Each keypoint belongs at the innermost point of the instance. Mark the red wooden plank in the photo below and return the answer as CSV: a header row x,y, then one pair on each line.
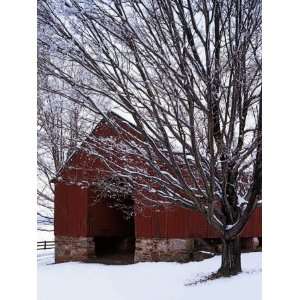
x,y
70,210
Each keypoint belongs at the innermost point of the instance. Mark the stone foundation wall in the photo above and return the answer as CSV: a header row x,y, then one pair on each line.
x,y
74,248
184,250
156,249
180,250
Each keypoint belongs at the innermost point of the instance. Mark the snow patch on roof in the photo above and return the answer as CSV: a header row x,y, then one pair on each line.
x,y
124,114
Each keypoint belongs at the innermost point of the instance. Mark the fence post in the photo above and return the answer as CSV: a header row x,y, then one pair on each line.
x,y
45,245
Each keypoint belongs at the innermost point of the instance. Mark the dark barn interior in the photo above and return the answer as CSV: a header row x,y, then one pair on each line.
x,y
112,228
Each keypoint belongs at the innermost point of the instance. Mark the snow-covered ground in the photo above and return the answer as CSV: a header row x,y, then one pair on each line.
x,y
45,236
145,281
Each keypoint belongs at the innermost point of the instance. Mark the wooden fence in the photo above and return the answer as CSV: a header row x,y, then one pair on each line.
x,y
44,245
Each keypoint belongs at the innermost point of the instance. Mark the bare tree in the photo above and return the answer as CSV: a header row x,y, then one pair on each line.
x,y
62,125
189,74
61,128
58,134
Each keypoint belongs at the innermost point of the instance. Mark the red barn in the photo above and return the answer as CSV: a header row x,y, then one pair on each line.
x,y
87,230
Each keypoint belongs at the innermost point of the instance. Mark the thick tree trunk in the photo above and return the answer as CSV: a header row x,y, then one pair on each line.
x,y
231,257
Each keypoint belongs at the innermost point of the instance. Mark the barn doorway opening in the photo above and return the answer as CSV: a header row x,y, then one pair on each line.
x,y
112,226
118,247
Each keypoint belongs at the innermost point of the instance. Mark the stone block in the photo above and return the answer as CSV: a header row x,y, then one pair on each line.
x,y
73,248
179,250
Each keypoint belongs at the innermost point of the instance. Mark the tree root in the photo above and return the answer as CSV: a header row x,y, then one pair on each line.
x,y
212,276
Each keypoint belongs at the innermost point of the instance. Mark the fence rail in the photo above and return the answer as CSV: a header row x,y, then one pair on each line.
x,y
44,245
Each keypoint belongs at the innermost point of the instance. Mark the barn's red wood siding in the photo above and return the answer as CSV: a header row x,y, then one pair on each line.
x,y
177,222
74,216
254,225
70,210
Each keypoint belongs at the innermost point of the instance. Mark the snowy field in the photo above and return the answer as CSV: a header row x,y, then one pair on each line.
x,y
145,281
45,236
